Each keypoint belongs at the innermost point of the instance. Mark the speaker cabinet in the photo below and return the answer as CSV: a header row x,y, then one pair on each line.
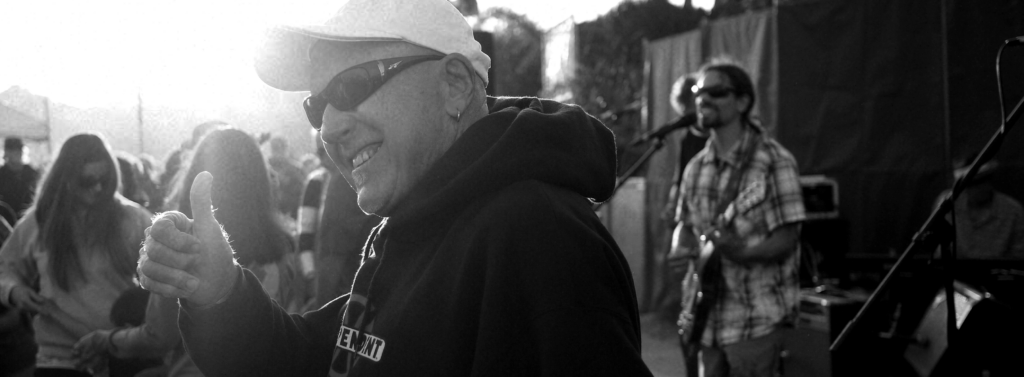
x,y
821,319
987,341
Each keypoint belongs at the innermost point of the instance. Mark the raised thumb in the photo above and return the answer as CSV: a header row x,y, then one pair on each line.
x,y
202,204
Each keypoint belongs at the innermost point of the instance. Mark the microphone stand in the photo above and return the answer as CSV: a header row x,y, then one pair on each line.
x,y
937,230
657,140
655,145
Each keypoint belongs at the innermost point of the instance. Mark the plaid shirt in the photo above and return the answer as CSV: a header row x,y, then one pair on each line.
x,y
759,298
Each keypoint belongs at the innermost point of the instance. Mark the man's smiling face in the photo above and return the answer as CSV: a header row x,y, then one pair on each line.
x,y
385,145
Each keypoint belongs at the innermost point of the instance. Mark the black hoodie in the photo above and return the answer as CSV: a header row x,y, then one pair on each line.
x,y
493,265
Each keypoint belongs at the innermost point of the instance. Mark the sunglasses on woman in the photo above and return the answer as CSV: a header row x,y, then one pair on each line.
x,y
86,182
354,85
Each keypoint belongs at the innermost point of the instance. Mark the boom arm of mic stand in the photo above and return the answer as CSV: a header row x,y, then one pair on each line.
x,y
656,144
937,215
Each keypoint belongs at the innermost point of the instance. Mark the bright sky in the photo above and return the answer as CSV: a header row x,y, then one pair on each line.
x,y
548,13
100,52
182,52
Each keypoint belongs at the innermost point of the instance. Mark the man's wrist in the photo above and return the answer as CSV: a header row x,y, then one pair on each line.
x,y
234,282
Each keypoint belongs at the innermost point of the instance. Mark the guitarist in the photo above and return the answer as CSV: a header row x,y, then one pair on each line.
x,y
742,194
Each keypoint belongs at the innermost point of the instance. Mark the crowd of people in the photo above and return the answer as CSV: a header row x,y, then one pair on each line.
x,y
70,303
482,255
438,231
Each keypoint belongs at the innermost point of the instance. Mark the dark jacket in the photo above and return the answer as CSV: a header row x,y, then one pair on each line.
x,y
17,190
494,265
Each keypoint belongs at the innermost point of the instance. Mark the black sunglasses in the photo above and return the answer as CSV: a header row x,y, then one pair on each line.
x,y
717,91
88,182
354,85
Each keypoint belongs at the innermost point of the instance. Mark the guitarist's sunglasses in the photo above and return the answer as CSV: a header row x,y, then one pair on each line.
x,y
354,85
717,91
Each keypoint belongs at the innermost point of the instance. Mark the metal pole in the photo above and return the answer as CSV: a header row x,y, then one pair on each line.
x,y
49,127
949,245
138,114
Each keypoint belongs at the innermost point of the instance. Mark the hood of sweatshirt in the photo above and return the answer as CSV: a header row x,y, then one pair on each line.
x,y
520,139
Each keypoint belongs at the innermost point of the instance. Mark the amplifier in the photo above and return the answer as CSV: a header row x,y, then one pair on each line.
x,y
821,196
821,318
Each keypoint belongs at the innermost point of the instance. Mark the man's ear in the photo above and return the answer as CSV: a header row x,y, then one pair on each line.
x,y
456,84
744,103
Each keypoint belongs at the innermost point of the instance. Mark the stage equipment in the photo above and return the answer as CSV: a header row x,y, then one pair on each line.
x,y
657,139
937,231
821,317
930,337
684,121
987,337
823,235
821,197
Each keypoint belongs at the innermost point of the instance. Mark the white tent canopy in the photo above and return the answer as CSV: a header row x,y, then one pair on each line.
x,y
14,123
21,115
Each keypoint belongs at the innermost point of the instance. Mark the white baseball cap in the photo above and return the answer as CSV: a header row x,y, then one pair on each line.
x,y
282,60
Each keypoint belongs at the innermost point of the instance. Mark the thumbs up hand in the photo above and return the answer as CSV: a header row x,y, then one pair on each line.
x,y
189,259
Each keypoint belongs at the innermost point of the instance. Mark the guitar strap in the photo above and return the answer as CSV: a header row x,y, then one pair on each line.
x,y
732,188
713,266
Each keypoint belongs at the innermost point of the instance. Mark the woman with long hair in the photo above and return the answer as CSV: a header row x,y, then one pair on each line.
x,y
241,194
74,252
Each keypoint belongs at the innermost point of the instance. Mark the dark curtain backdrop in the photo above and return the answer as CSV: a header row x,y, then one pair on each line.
x,y
863,98
976,30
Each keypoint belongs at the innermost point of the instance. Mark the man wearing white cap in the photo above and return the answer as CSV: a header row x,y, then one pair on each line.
x,y
489,260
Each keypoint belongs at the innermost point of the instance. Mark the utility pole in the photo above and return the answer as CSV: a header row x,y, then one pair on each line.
x,y
138,114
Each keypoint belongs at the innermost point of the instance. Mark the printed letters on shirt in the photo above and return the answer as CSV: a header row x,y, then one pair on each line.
x,y
365,345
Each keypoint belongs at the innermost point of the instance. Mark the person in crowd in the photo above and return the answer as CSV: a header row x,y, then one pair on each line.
x,y
244,205
17,344
17,179
149,181
132,176
174,160
243,200
742,192
989,223
489,259
332,231
74,253
312,161
343,229
309,215
693,141
288,176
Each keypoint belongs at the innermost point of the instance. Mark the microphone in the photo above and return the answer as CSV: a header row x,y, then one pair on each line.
x,y
684,121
